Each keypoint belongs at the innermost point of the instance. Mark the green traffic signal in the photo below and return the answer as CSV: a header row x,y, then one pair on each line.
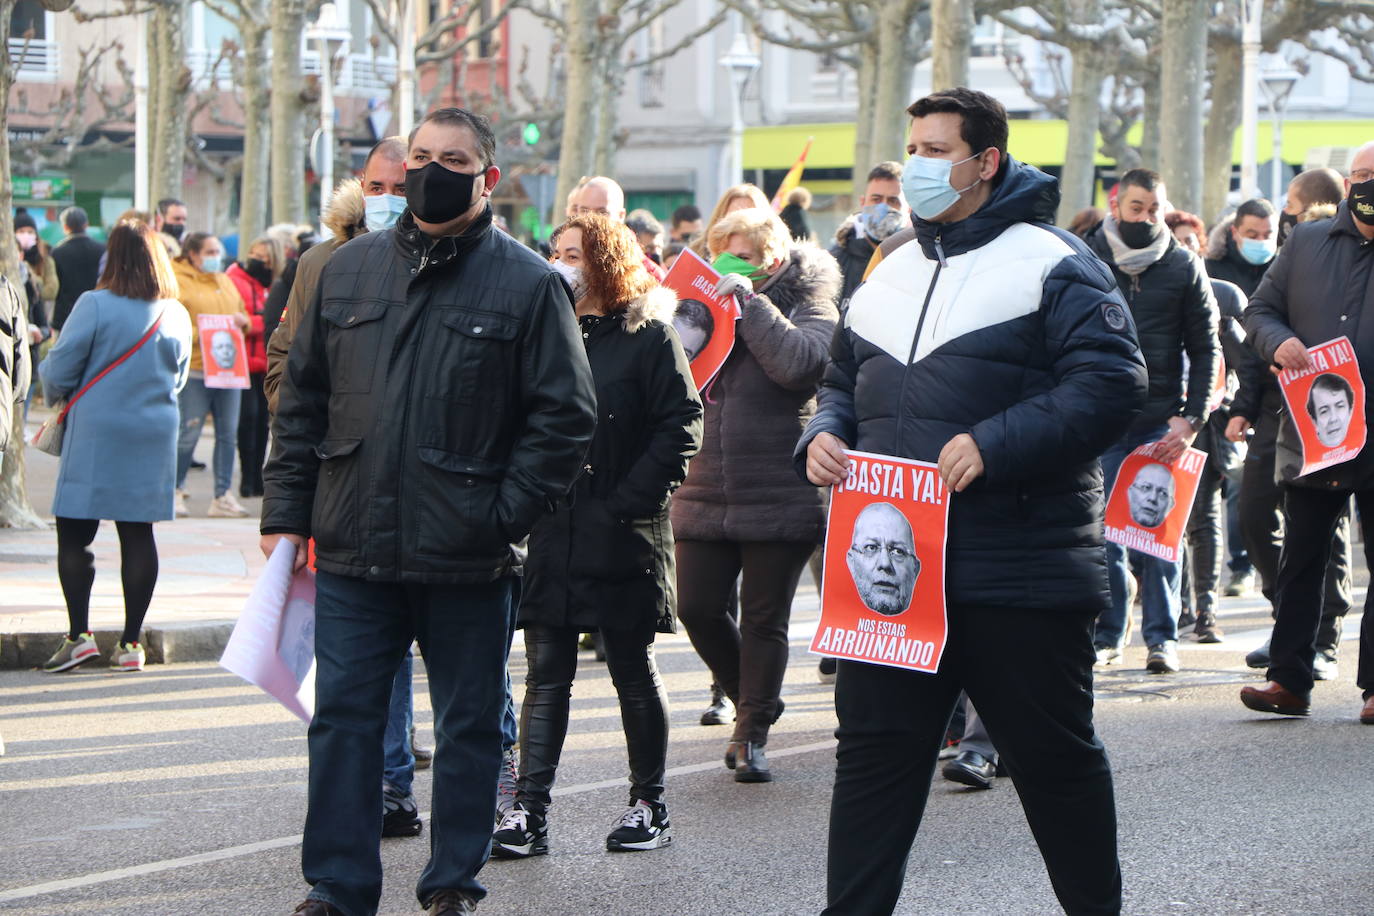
x,y
531,133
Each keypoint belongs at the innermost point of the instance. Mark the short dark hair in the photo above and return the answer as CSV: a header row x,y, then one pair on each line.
x,y
461,117
136,264
1257,206
886,171
1145,179
687,213
1317,186
75,219
642,222
695,313
984,124
1329,381
168,203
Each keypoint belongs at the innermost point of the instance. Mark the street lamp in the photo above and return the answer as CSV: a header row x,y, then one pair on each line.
x,y
741,61
1277,83
332,39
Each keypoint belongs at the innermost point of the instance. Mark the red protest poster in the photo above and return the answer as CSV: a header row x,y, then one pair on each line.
x,y
223,352
1150,502
883,586
704,321
1326,403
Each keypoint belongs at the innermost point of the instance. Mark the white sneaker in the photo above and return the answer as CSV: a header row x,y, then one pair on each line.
x,y
226,507
128,656
181,510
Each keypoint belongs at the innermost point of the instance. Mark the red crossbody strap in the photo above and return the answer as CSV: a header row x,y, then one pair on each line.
x,y
106,371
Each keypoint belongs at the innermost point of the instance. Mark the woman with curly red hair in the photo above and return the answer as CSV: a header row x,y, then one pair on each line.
x,y
603,561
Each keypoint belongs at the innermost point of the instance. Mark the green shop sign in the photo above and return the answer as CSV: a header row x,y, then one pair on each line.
x,y
42,189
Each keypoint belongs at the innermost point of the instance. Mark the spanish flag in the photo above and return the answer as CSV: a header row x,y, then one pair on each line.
x,y
792,178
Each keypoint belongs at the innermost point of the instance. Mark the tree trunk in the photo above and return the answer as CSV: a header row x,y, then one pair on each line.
x,y
1183,38
15,509
576,155
863,123
256,134
951,43
892,89
171,79
612,83
1219,138
1150,120
1076,181
288,123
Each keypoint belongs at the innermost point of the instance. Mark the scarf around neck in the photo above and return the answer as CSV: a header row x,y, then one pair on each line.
x,y
1133,261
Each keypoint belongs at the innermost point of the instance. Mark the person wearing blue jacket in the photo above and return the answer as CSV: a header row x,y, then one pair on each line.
x,y
1000,348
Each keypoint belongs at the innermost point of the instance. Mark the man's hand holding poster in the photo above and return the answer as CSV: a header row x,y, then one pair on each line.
x,y
704,321
1150,502
1326,402
223,352
883,589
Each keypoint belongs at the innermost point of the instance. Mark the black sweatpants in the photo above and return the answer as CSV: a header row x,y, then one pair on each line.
x,y
1038,712
1312,517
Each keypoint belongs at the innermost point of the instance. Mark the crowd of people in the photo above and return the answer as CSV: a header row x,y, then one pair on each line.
x,y
476,438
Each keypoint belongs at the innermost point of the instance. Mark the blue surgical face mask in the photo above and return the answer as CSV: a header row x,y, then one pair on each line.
x,y
1257,251
878,221
212,264
925,182
380,211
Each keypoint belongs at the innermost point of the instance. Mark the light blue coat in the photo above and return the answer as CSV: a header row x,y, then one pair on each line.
x,y
120,449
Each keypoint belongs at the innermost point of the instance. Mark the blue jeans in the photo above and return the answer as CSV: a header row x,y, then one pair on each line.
x,y
1159,579
195,401
362,632
398,762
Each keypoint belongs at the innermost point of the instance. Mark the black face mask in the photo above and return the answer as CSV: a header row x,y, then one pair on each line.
x,y
1286,223
259,270
174,229
1141,234
438,195
1362,201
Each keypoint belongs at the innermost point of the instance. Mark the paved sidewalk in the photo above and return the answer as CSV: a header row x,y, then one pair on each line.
x,y
207,568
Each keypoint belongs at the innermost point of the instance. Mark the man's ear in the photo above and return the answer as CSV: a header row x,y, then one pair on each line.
x,y
493,178
987,169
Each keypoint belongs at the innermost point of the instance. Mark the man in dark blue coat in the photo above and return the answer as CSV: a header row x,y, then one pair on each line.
x,y
998,347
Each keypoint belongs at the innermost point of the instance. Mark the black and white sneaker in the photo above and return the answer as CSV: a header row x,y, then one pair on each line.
x,y
522,833
644,825
400,816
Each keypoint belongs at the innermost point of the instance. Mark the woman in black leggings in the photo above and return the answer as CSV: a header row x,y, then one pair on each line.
x,y
604,560
119,449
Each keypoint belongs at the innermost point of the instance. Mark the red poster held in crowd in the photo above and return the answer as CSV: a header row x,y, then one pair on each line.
x,y
1326,403
883,587
223,352
1150,502
704,321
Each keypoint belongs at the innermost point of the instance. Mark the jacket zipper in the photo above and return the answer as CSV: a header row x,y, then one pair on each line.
x,y
915,341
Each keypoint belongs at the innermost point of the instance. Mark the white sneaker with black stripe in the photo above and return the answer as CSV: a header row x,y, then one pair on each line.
x,y
644,825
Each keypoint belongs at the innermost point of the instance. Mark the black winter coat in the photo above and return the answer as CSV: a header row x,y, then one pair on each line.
x,y
1320,287
436,403
1174,312
78,270
852,252
604,559
1008,329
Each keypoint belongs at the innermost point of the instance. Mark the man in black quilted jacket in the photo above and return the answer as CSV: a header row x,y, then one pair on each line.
x,y
998,347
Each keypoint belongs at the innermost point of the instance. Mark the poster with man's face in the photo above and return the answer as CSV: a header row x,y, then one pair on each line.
x,y
1326,403
705,322
883,588
1151,499
223,352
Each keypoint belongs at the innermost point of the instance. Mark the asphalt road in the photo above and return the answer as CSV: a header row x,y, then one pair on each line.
x,y
182,790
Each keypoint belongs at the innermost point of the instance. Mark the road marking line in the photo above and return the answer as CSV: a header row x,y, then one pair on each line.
x,y
248,849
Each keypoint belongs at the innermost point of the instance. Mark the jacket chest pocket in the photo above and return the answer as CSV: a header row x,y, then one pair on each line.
x,y
353,343
474,356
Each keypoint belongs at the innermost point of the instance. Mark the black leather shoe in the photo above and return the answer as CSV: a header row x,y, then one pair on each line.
x,y
970,768
748,761
448,903
313,907
717,713
1258,658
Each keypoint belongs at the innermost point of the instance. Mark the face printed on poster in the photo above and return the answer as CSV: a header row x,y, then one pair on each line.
x,y
883,588
223,352
1326,404
1151,500
704,321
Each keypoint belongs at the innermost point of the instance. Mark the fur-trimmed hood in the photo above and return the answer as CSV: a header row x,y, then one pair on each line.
x,y
658,304
344,215
809,273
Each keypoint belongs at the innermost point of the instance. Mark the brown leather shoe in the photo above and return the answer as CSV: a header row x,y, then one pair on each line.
x,y
1367,712
1274,697
451,903
314,907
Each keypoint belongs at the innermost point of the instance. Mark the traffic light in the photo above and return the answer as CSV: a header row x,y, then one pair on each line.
x,y
531,134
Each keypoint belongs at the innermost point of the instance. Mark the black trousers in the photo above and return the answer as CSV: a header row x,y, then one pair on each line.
x,y
1262,524
252,435
1041,717
551,653
1313,516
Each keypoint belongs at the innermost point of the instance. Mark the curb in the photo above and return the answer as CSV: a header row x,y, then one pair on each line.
x,y
203,641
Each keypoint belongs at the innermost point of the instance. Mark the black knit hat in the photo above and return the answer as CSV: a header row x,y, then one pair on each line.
x,y
22,220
